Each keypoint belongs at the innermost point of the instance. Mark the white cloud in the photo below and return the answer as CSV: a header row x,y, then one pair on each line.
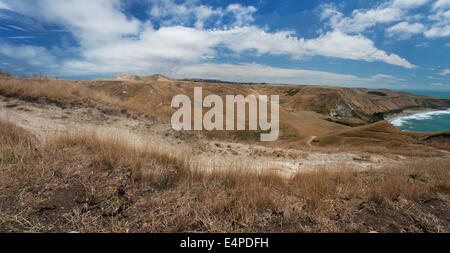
x,y
409,4
441,20
441,4
445,72
89,21
170,13
3,6
31,55
332,44
405,29
438,31
200,44
410,23
360,20
386,78
244,15
338,44
156,49
111,42
441,28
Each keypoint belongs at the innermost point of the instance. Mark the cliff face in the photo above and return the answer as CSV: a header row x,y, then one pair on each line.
x,y
360,103
372,101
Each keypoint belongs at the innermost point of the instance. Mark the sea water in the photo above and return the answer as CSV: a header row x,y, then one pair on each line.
x,y
433,121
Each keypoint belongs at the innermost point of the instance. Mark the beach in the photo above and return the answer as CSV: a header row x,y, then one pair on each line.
x,y
422,120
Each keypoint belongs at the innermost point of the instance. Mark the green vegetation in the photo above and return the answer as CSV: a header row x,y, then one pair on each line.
x,y
292,92
377,93
287,132
346,123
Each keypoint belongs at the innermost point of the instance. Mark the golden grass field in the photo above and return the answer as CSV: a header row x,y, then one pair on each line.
x,y
85,156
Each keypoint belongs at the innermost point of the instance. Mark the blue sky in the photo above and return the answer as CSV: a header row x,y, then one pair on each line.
x,y
395,44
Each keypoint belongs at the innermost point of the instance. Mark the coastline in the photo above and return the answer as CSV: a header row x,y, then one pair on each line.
x,y
409,112
421,120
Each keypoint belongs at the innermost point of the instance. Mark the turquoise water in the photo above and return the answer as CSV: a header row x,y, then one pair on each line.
x,y
434,121
438,94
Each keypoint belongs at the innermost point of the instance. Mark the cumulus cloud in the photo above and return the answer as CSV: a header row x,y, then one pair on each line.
x,y
438,31
441,4
338,44
398,14
409,4
405,29
170,13
163,44
441,19
189,34
361,20
383,14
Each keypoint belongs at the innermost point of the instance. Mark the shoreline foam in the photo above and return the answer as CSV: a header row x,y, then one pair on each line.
x,y
399,119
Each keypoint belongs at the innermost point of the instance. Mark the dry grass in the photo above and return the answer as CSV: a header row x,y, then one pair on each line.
x,y
61,92
84,182
65,93
400,149
383,148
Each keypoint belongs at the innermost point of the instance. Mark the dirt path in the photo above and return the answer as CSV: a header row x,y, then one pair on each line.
x,y
45,120
309,141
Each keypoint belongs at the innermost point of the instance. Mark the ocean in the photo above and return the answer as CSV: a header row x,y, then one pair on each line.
x,y
433,121
438,94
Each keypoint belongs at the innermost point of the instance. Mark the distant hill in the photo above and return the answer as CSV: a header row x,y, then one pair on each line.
x,y
198,80
152,78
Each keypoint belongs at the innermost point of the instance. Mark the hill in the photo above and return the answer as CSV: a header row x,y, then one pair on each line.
x,y
305,110
338,102
100,156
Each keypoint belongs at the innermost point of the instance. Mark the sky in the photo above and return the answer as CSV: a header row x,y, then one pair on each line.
x,y
393,44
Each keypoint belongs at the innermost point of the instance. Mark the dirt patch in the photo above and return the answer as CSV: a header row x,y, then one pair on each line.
x,y
63,201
